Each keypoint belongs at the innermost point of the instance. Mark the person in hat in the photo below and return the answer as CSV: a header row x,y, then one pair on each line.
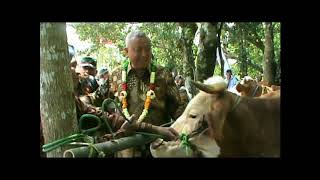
x,y
103,75
102,92
81,107
88,66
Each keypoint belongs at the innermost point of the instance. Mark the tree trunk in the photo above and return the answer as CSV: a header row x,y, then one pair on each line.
x,y
243,56
188,32
269,65
206,59
220,50
257,67
57,104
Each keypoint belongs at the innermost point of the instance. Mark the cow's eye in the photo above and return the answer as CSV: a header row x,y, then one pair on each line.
x,y
192,116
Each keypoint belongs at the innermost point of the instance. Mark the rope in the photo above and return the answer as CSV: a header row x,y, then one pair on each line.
x,y
166,124
90,143
100,153
150,134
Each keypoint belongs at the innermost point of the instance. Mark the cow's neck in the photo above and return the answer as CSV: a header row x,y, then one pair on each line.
x,y
246,130
256,91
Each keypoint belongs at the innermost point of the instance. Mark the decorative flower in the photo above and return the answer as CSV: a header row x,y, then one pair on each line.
x,y
150,93
124,103
124,86
124,76
152,77
152,87
123,93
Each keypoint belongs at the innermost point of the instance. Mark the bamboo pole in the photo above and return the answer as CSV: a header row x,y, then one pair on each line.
x,y
110,147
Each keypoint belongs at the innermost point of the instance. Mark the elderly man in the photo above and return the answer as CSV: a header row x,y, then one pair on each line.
x,y
145,90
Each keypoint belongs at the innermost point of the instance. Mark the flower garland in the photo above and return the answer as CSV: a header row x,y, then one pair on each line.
x,y
123,93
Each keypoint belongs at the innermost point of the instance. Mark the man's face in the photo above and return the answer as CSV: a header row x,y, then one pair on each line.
x,y
178,82
139,52
105,76
87,70
228,75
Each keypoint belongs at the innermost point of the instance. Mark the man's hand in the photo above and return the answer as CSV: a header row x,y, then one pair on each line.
x,y
116,120
169,133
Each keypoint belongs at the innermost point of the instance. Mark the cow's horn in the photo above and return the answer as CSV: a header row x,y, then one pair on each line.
x,y
206,88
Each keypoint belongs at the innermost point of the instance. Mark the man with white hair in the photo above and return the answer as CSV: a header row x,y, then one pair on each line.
x,y
145,90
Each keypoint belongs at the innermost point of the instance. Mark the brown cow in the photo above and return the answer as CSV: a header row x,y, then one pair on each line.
x,y
251,88
222,124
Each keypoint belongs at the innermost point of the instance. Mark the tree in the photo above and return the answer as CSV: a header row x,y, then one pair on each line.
x,y
172,45
57,104
269,66
164,38
188,31
243,55
220,50
206,58
243,41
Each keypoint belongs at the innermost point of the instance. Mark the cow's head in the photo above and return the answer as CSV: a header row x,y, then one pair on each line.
x,y
203,120
249,87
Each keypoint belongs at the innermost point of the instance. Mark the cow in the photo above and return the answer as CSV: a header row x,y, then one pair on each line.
x,y
251,88
218,123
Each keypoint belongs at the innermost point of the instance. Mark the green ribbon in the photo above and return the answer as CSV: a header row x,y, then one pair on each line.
x,y
75,137
67,140
125,64
185,142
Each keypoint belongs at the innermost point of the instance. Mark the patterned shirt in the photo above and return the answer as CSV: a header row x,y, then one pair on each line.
x,y
167,103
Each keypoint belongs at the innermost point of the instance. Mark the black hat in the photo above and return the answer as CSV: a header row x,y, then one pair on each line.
x,y
88,61
102,71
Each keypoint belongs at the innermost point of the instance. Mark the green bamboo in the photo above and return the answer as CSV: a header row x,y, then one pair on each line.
x,y
111,147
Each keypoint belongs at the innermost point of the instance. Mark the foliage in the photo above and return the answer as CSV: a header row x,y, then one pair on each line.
x,y
166,42
253,33
164,38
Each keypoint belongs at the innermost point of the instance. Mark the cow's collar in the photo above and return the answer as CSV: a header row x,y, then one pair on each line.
x,y
237,101
255,91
